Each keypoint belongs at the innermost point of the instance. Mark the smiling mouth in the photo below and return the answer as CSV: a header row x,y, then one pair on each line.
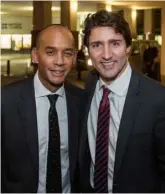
x,y
58,72
108,64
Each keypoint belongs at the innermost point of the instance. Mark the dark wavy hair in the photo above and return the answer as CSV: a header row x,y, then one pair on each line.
x,y
105,18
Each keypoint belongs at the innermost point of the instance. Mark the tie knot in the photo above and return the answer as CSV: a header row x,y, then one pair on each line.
x,y
106,92
52,99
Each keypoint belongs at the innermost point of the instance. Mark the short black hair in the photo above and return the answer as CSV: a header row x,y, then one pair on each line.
x,y
105,18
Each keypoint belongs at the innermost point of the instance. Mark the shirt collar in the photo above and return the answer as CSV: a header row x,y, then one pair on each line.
x,y
41,90
120,85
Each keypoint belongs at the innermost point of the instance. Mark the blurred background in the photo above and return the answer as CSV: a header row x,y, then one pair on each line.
x,y
22,20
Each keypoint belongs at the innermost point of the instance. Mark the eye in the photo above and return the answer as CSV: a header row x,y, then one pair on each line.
x,y
96,45
68,53
49,52
116,43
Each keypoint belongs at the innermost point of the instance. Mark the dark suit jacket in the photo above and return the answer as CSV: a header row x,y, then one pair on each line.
x,y
140,150
20,160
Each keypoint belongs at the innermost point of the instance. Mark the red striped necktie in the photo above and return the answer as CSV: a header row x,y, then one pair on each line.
x,y
101,154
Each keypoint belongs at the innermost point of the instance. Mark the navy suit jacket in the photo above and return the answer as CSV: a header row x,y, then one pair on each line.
x,y
20,158
140,150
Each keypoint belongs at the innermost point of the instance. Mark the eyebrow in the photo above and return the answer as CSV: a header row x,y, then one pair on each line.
x,y
115,40
110,41
96,42
55,48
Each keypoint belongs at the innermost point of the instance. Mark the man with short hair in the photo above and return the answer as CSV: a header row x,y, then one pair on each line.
x,y
122,145
40,121
147,59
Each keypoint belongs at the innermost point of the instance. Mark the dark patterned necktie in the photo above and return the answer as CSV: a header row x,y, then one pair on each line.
x,y
102,142
53,179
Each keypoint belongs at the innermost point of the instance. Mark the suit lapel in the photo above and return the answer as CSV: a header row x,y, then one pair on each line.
x,y
72,111
27,112
128,119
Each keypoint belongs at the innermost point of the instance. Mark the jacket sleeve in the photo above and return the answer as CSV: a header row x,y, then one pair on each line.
x,y
3,158
160,142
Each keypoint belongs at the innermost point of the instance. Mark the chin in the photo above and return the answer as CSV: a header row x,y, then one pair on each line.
x,y
57,82
110,74
111,77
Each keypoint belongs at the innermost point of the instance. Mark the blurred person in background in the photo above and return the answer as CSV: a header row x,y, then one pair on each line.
x,y
81,63
155,66
147,59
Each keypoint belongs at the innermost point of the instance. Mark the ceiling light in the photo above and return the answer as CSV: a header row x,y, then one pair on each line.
x,y
30,8
55,8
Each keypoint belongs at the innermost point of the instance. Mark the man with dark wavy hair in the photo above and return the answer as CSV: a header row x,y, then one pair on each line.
x,y
122,145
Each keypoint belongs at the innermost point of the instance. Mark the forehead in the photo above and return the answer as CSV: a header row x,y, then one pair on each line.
x,y
104,34
56,37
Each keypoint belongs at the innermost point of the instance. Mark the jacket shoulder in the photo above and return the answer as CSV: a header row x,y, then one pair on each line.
x,y
73,89
13,89
151,84
150,88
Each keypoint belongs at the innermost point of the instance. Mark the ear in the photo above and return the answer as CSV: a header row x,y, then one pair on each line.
x,y
128,50
34,55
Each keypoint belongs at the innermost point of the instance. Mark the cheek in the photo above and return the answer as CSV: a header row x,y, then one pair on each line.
x,y
45,61
69,64
120,54
44,65
95,57
124,57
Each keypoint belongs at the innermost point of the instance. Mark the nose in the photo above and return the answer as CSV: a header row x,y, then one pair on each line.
x,y
59,59
107,52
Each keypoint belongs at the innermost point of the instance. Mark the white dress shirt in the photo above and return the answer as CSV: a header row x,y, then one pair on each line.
x,y
42,107
117,97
